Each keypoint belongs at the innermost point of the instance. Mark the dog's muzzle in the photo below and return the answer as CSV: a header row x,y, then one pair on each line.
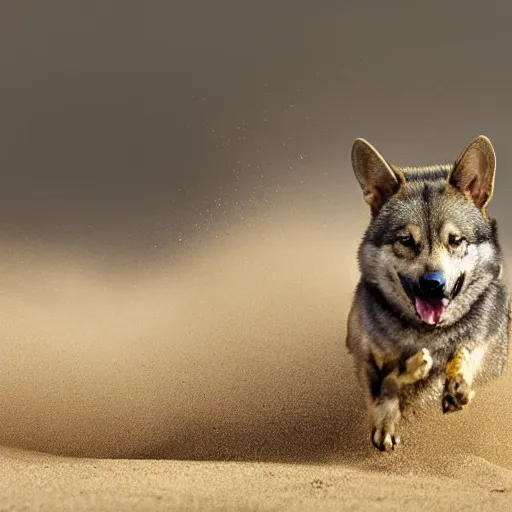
x,y
429,295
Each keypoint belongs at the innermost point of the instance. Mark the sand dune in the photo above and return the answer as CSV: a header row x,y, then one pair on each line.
x,y
229,364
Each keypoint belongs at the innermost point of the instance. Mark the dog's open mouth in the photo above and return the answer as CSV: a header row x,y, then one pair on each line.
x,y
429,309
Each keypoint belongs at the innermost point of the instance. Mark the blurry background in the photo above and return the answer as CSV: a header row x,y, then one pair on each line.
x,y
179,218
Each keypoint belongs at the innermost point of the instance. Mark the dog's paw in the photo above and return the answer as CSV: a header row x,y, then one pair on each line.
x,y
383,440
385,419
457,394
419,365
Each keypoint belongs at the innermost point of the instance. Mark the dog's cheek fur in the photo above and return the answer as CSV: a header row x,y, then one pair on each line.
x,y
379,266
481,265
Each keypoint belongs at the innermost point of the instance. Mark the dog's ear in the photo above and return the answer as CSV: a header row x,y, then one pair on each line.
x,y
377,179
473,172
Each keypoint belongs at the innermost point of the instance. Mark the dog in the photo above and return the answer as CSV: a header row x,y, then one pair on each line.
x,y
430,317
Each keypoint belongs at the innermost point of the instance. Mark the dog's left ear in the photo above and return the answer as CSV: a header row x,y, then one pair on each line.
x,y
473,172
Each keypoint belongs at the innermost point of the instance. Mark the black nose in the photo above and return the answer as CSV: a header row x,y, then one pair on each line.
x,y
432,284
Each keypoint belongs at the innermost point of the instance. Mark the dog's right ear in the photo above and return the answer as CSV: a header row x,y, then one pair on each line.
x,y
376,178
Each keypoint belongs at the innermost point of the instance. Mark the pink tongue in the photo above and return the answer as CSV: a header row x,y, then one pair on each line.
x,y
430,312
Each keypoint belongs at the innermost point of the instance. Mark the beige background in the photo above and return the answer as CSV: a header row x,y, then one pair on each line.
x,y
179,221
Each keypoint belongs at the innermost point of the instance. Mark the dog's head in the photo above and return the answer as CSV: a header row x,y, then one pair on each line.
x,y
430,249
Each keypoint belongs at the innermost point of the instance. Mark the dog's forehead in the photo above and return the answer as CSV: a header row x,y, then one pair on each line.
x,y
431,205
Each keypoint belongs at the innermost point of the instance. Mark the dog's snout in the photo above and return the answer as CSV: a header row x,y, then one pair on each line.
x,y
432,284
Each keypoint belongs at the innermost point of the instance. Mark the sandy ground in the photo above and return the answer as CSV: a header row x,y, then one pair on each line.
x,y
39,482
217,382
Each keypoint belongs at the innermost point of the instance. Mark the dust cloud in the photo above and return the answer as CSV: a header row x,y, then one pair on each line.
x,y
235,352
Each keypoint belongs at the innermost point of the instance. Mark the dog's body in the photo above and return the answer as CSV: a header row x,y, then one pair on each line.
x,y
430,316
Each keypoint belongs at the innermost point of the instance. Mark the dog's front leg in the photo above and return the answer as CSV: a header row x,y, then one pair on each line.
x,y
460,373
385,406
385,414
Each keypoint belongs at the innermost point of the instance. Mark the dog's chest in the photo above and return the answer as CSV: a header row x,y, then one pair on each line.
x,y
441,344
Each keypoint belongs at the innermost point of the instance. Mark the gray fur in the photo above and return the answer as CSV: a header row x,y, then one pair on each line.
x,y
438,204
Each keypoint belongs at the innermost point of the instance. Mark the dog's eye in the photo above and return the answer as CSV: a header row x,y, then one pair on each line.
x,y
455,240
406,240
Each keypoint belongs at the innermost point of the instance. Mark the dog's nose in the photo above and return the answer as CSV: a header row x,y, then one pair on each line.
x,y
432,284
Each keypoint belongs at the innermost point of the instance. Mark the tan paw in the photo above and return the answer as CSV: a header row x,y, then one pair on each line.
x,y
418,366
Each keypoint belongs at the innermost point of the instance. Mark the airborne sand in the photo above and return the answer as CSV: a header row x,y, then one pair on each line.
x,y
229,364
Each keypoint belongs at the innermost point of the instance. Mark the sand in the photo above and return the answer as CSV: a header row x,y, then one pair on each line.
x,y
32,481
217,381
